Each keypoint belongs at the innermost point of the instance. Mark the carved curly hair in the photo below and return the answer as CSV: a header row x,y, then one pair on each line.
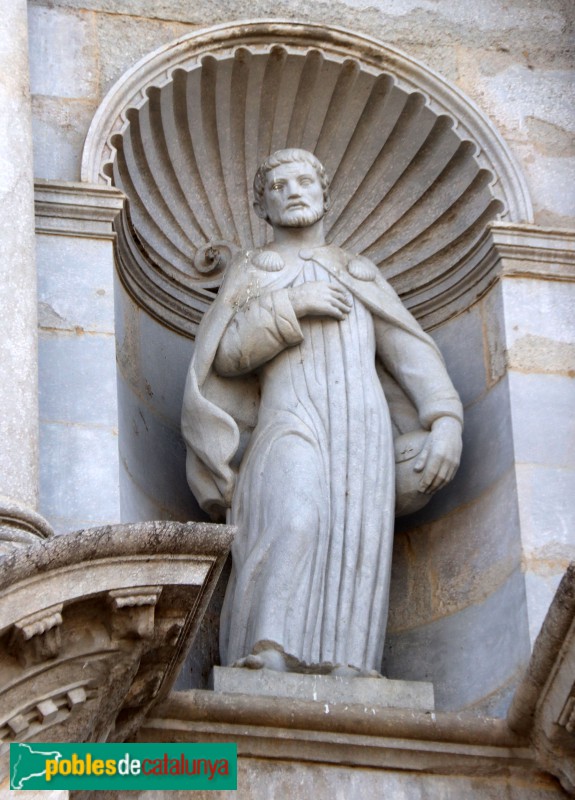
x,y
288,156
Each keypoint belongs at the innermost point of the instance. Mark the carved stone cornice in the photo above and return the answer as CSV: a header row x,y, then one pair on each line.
x,y
36,638
95,625
504,249
531,251
133,612
418,170
359,735
76,209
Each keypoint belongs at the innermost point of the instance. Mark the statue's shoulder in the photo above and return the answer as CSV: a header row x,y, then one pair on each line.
x,y
358,266
238,270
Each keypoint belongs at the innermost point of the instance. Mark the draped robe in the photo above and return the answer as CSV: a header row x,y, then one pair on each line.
x,y
313,497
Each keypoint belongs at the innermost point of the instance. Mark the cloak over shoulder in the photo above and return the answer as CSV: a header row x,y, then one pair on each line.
x,y
219,413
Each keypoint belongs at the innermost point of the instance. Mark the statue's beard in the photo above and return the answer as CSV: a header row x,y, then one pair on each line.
x,y
302,218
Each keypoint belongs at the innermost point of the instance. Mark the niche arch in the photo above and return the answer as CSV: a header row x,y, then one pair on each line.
x,y
418,175
418,171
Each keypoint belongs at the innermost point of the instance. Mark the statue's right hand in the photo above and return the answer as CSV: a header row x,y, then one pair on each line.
x,y
320,299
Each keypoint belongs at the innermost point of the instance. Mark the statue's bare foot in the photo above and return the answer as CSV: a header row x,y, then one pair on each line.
x,y
345,671
370,673
265,659
249,662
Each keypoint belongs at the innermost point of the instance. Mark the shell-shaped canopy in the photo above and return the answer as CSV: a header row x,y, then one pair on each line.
x,y
410,189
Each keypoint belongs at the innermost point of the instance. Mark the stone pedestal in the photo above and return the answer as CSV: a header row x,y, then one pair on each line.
x,y
325,688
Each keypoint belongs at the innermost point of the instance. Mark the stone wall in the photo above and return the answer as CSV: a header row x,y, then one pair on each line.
x,y
475,573
152,367
515,61
494,546
514,518
77,374
260,780
457,578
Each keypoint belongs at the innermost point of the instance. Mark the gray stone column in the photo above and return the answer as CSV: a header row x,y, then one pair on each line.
x,y
19,522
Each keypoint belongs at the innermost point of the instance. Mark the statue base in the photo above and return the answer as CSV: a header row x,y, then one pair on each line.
x,y
382,692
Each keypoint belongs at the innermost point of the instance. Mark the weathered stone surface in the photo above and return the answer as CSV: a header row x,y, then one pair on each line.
x,y
18,282
435,753
530,330
542,579
324,688
125,43
466,365
547,524
76,209
487,455
544,705
60,126
547,514
262,779
543,421
75,288
492,311
77,376
478,643
152,363
63,59
106,617
440,568
137,506
78,475
164,360
527,45
515,94
538,316
153,453
78,398
18,319
409,19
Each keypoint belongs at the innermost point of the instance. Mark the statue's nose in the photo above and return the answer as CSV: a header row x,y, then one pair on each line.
x,y
293,189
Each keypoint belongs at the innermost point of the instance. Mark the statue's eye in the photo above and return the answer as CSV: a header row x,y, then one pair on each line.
x,y
275,187
305,181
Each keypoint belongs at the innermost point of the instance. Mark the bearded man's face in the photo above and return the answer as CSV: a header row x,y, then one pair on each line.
x,y
293,196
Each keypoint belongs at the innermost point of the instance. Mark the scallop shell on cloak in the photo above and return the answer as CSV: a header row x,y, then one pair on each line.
x,y
269,260
362,269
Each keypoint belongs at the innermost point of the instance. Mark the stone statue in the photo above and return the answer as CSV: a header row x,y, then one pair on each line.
x,y
288,429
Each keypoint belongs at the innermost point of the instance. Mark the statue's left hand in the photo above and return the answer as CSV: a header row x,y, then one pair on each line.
x,y
439,459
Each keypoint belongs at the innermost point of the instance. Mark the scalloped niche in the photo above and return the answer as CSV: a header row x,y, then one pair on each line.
x,y
417,171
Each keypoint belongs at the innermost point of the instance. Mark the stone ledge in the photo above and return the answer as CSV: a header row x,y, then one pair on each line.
x,y
76,209
205,706
380,692
340,733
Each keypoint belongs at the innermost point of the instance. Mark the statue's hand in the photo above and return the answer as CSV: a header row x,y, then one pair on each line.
x,y
320,299
439,459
